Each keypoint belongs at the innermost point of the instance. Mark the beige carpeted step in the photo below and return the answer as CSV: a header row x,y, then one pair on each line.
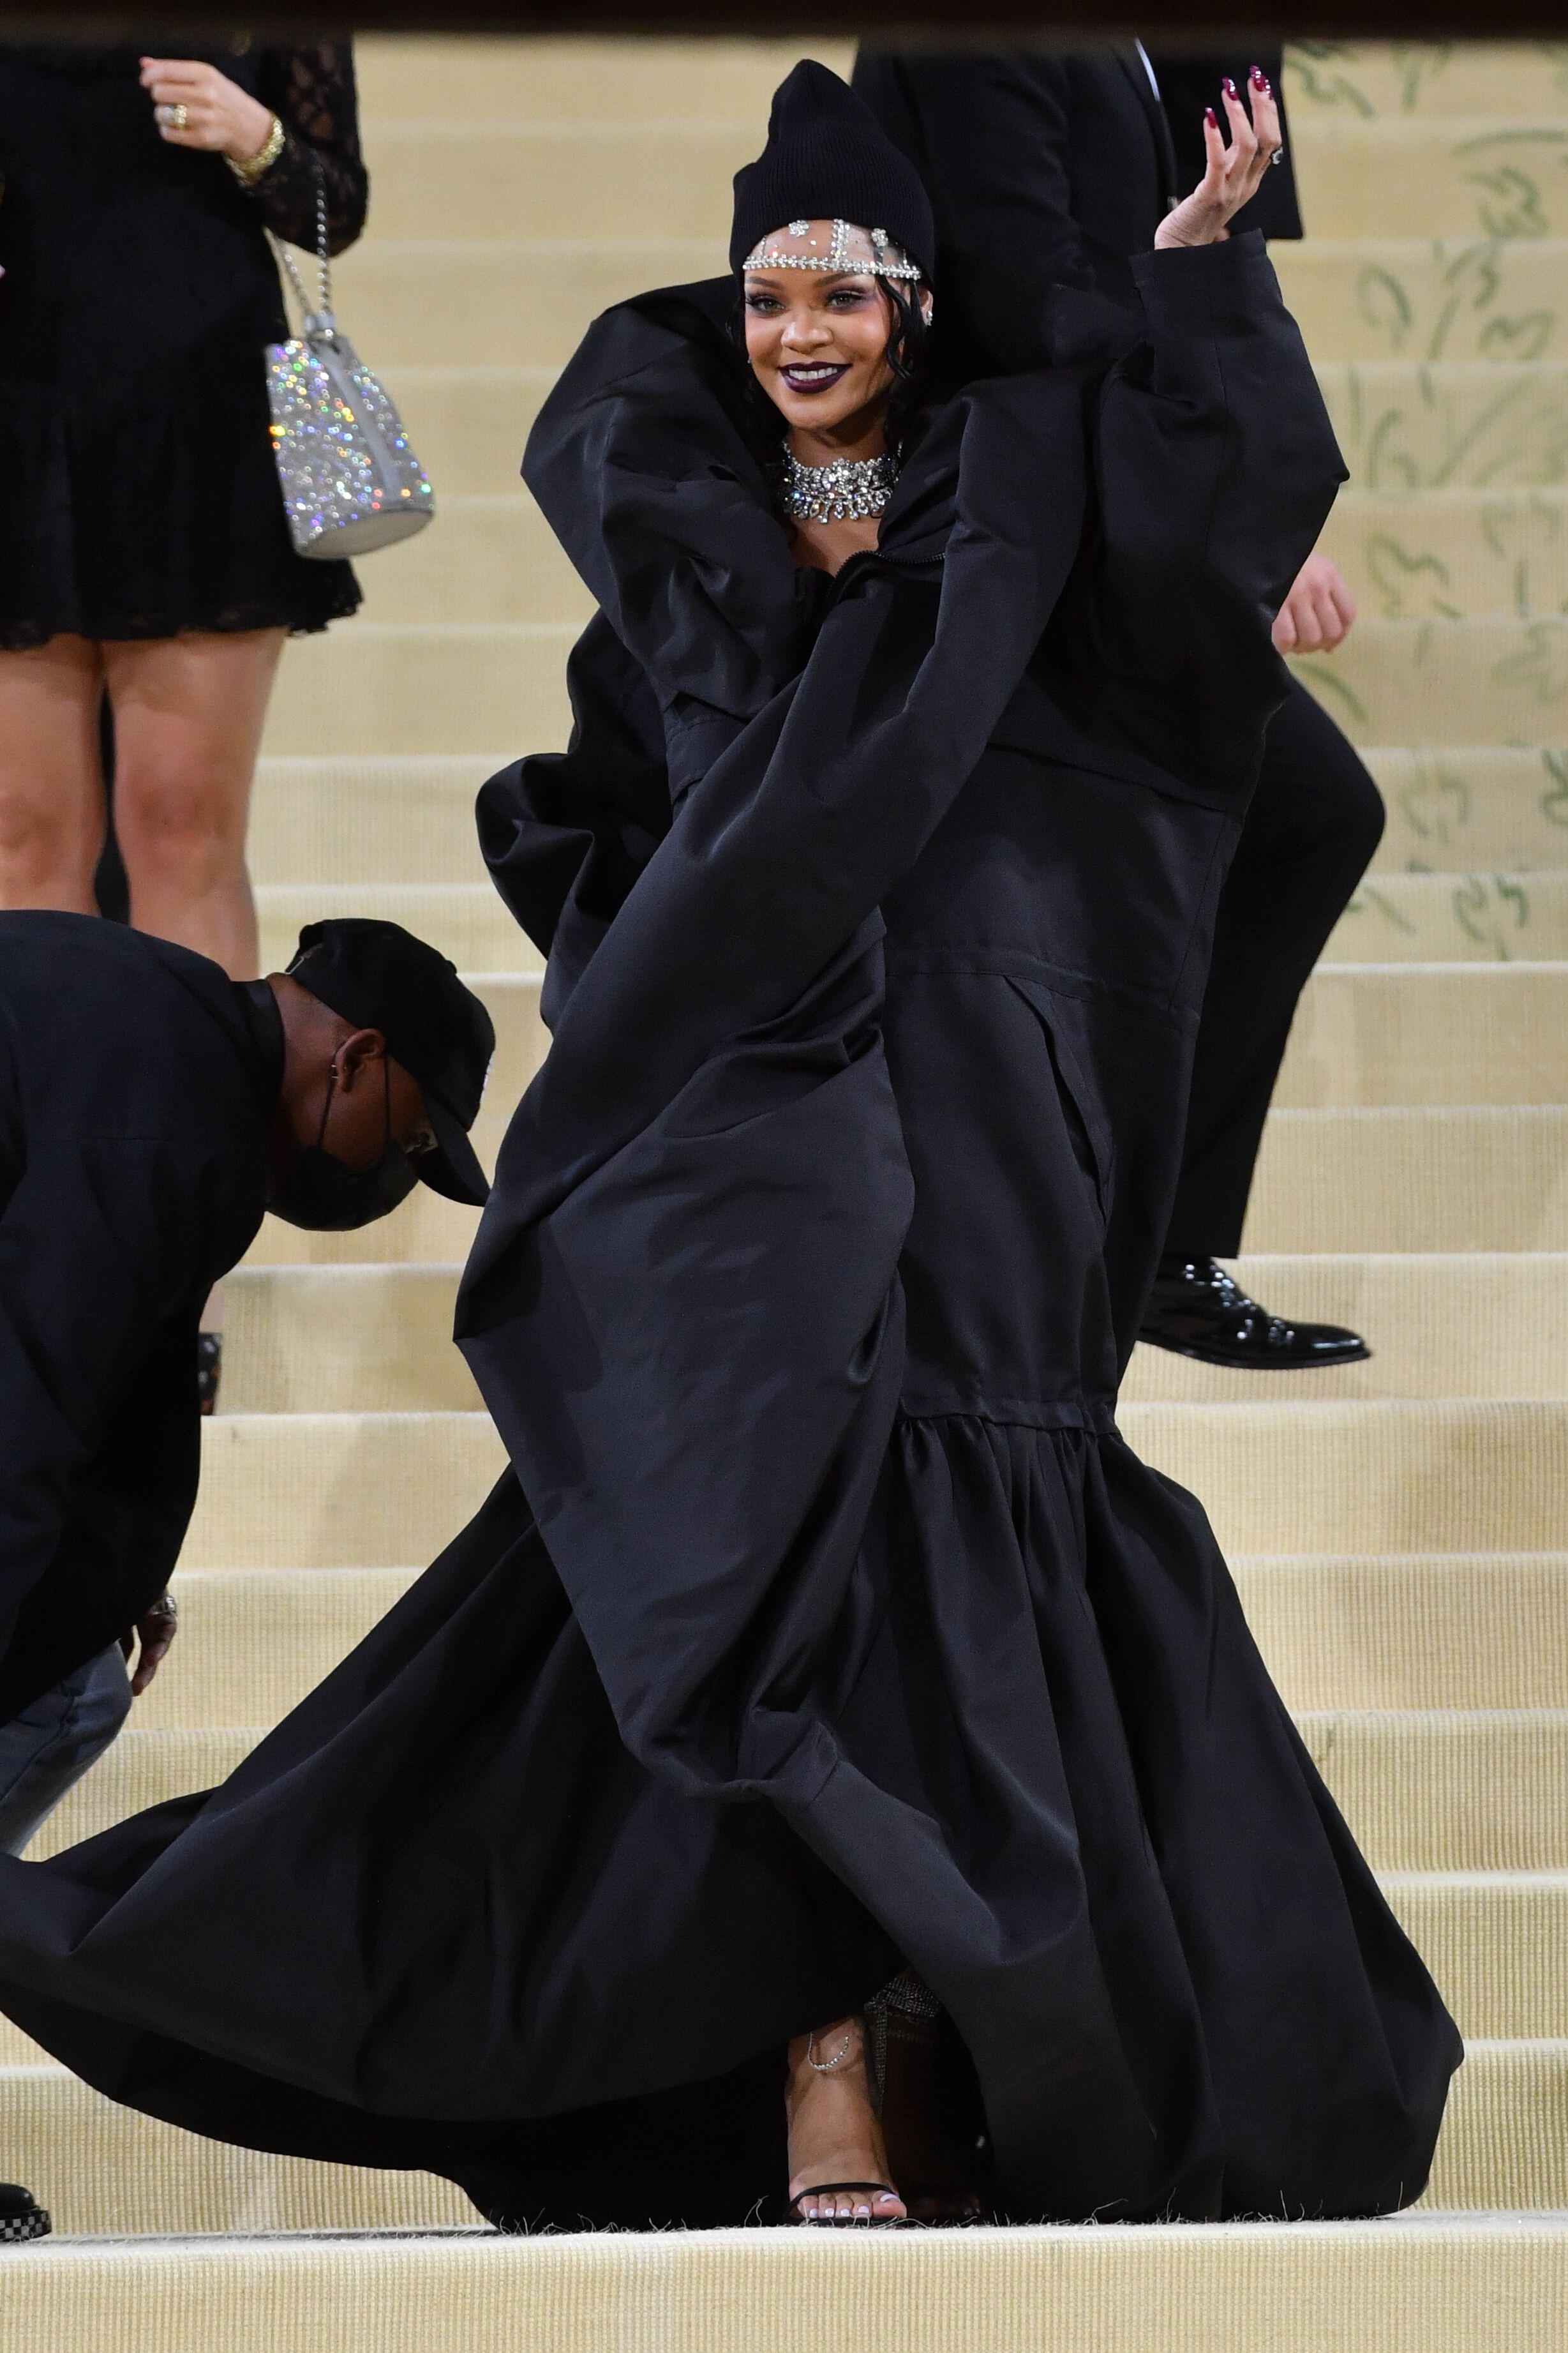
x,y
508,301
1415,299
324,820
1496,1942
548,80
1423,1631
372,687
310,1491
1407,1035
1427,175
1453,1324
1373,1478
1444,683
1446,1790
253,1641
1427,2283
1473,809
1448,918
1405,425
378,1338
1485,1178
484,559
1448,554
1503,2143
99,2168
335,1339
143,1768
103,2168
1350,81
1476,1178
466,921
1411,1630
533,177
336,1491
468,423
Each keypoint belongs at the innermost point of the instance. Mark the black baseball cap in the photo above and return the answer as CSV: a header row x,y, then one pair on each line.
x,y
379,976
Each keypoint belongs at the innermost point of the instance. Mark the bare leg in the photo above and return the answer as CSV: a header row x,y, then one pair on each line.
x,y
51,783
834,2135
188,714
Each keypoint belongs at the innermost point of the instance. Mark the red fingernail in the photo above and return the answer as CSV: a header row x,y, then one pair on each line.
x,y
1258,78
1229,87
1211,118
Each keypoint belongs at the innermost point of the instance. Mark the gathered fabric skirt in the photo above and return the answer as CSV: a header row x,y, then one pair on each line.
x,y
441,1917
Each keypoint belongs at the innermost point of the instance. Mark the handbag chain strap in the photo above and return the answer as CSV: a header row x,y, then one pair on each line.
x,y
324,309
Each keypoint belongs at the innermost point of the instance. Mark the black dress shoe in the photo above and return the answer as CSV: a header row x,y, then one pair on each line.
x,y
1198,1310
21,2216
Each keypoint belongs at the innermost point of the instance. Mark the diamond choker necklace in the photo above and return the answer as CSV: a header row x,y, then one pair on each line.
x,y
841,491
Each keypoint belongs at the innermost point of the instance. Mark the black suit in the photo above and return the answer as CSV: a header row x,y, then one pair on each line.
x,y
1051,168
137,1085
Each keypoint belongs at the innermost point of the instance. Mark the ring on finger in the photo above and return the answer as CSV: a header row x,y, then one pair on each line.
x,y
1277,157
173,118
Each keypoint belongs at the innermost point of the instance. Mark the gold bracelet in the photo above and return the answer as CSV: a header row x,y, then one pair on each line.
x,y
266,156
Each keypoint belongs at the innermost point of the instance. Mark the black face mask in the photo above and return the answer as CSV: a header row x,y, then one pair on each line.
x,y
323,1194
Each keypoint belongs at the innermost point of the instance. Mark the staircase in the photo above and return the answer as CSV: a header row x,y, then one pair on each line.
x,y
1398,1528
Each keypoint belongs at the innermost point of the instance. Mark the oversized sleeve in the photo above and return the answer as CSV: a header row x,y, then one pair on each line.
x,y
311,92
1215,468
100,1243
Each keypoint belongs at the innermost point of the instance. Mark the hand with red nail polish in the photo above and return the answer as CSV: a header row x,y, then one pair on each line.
x,y
1233,167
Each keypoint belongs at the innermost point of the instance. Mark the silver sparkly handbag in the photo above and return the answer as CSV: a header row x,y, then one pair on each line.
x,y
351,482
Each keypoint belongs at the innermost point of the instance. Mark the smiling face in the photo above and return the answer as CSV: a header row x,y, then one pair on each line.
x,y
817,341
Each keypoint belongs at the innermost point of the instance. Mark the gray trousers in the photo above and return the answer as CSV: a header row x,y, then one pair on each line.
x,y
47,1748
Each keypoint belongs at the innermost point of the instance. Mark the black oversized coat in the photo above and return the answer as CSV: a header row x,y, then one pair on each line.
x,y
825,1623
136,1093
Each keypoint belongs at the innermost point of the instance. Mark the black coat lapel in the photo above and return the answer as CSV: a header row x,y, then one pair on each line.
x,y
1137,73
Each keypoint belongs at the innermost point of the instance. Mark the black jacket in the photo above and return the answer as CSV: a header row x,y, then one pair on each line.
x,y
136,1092
1047,168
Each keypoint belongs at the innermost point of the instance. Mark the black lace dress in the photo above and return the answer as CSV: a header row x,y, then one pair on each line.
x,y
140,294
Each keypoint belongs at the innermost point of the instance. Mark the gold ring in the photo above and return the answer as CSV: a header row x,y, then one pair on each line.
x,y
175,118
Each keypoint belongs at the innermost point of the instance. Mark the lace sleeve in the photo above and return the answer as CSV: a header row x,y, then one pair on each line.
x,y
311,92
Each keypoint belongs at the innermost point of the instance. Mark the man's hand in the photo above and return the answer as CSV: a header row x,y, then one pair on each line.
x,y
1233,172
155,1632
1318,611
196,106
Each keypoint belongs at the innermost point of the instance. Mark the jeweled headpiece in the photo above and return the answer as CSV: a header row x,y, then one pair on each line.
x,y
888,259
828,158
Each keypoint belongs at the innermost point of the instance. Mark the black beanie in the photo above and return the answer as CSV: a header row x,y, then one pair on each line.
x,y
828,158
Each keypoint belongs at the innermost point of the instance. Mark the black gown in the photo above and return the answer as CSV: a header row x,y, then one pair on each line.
x,y
825,1623
138,299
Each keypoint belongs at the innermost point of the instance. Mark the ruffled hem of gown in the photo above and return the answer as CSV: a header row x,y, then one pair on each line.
x,y
442,1918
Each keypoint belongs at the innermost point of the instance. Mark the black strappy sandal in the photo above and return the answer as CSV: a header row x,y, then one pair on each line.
x,y
844,2222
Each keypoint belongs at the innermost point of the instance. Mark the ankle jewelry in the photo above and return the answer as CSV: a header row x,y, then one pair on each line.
x,y
829,2066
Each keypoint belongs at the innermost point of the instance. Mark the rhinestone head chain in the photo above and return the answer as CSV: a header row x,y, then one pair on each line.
x,y
887,259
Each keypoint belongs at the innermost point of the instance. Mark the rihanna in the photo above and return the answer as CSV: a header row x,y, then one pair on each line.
x,y
827,1700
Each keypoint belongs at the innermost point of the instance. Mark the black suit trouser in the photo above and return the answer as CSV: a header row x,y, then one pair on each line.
x,y
1310,830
